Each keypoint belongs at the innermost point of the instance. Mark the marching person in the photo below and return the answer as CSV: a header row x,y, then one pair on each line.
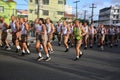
x,y
71,34
117,32
4,34
78,33
65,34
26,22
87,35
112,35
41,39
50,30
102,35
15,31
58,30
24,32
92,32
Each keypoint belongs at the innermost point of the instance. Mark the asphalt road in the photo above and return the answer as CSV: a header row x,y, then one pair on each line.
x,y
93,65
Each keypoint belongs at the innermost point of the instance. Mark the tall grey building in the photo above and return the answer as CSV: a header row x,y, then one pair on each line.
x,y
110,15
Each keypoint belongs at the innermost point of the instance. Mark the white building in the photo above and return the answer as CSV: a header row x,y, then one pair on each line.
x,y
68,9
109,15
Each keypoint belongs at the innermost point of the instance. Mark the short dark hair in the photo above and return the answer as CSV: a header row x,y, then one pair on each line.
x,y
43,21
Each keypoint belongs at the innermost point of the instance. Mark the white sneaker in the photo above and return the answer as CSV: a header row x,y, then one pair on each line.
x,y
81,53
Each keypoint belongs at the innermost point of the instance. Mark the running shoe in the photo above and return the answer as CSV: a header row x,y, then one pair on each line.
x,y
40,58
47,59
67,50
76,59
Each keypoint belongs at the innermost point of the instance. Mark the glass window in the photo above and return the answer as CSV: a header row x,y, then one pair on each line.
x,y
30,0
36,1
60,2
45,2
1,9
118,10
45,12
31,10
60,13
113,16
117,16
35,11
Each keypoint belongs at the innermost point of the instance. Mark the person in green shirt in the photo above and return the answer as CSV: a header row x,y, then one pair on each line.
x,y
78,33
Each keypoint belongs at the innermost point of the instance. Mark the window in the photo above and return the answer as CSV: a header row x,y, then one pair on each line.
x,y
113,16
35,11
45,2
31,10
118,10
60,13
1,9
114,10
30,0
116,21
36,1
45,12
117,16
60,2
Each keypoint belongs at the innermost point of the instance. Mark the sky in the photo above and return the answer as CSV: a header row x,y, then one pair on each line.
x,y
82,5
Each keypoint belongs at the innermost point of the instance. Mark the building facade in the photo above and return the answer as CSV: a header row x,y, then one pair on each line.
x,y
7,9
110,15
53,9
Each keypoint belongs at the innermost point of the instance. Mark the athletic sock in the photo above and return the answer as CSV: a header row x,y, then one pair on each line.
x,y
51,49
18,47
23,51
47,55
77,57
40,55
28,50
81,52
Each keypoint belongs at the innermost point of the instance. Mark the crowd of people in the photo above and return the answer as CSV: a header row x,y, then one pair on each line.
x,y
72,34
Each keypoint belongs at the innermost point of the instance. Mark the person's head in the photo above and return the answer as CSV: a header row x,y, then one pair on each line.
x,y
13,18
77,23
25,19
101,25
71,23
64,23
48,20
17,19
58,23
41,21
36,20
1,19
91,25
21,20
85,23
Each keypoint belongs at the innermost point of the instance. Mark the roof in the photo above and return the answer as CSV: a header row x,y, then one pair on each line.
x,y
105,9
69,15
10,1
22,11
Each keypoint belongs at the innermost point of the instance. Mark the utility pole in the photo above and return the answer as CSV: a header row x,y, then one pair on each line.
x,y
38,8
13,11
92,14
85,11
76,8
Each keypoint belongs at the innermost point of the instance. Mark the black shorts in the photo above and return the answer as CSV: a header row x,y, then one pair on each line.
x,y
24,38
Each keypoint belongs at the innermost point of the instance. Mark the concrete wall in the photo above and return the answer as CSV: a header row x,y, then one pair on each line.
x,y
53,8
